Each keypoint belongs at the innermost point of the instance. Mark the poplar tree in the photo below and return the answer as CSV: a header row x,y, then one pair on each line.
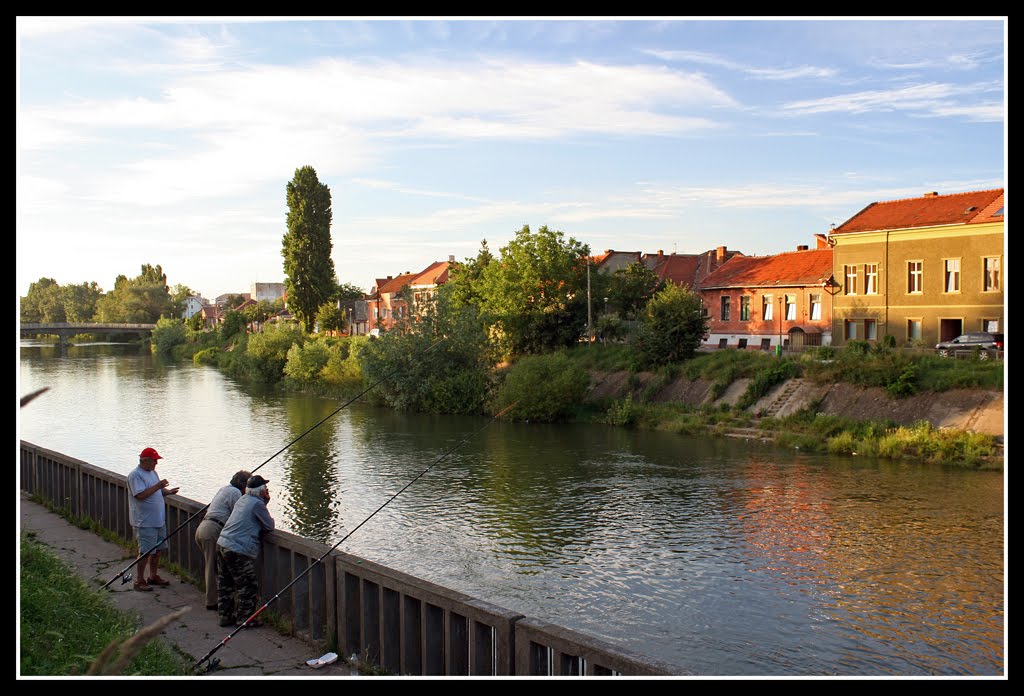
x,y
308,267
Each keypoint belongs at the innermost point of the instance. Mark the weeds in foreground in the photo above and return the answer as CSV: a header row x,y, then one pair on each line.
x,y
67,628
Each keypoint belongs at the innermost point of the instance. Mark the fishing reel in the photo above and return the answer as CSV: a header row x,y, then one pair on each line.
x,y
126,578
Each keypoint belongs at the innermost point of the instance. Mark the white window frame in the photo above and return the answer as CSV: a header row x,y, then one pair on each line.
x,y
870,330
850,274
990,275
815,302
915,277
951,275
790,301
766,307
871,279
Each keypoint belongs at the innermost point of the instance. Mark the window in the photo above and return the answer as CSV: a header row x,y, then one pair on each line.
x,y
990,325
742,344
745,308
871,279
766,343
850,330
766,307
376,313
871,329
790,307
723,343
952,275
815,306
915,271
851,280
725,308
991,273
913,329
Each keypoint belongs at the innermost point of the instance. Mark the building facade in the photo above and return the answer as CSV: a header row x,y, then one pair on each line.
x,y
922,270
764,302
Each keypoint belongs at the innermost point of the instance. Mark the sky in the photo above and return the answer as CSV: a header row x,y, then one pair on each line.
x,y
170,141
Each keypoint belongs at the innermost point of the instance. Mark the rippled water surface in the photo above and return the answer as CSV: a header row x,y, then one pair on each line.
x,y
720,556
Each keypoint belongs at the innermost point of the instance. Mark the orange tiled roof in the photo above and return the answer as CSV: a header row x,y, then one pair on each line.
x,y
791,268
396,284
927,211
434,274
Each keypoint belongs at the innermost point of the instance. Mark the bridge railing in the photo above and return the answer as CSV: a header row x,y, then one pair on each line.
x,y
401,623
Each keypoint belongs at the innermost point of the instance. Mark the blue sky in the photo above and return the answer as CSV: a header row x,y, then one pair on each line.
x,y
170,141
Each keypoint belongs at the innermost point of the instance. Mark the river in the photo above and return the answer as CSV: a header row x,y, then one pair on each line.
x,y
721,556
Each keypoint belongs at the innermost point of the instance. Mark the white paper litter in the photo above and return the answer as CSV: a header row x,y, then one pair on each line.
x,y
325,659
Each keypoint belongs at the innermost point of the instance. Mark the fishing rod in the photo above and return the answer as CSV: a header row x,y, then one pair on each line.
x,y
126,576
213,663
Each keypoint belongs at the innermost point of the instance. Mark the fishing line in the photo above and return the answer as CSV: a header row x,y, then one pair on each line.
x,y
310,567
126,577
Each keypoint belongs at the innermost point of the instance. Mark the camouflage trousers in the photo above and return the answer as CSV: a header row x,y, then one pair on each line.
x,y
236,576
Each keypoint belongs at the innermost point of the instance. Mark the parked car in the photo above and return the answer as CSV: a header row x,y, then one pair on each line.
x,y
988,343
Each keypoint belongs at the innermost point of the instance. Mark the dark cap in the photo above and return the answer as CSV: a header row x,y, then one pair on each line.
x,y
256,481
149,453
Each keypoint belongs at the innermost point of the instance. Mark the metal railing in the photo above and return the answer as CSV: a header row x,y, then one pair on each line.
x,y
398,622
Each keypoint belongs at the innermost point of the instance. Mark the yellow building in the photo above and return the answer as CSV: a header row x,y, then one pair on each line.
x,y
922,270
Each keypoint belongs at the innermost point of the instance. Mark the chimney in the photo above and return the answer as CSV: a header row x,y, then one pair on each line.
x,y
931,194
719,255
822,241
451,258
801,247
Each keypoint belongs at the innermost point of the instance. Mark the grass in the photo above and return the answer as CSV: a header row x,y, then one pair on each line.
x,y
66,626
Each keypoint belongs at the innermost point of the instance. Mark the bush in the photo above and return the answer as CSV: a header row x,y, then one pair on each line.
x,y
305,361
622,412
168,334
545,388
268,352
207,356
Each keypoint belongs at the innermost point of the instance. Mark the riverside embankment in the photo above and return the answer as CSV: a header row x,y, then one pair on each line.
x,y
974,410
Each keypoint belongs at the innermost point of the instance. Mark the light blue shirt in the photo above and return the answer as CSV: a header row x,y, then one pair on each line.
x,y
223,502
241,533
148,512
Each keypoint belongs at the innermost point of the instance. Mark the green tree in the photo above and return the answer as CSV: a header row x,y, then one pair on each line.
x,y
140,300
330,317
630,288
463,284
234,301
80,301
545,388
536,293
671,327
308,267
232,325
167,334
437,362
269,350
348,291
43,303
179,294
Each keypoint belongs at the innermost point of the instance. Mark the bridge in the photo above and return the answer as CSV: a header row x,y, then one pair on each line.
x,y
67,329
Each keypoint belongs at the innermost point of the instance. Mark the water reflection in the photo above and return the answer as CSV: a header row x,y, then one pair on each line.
x,y
722,556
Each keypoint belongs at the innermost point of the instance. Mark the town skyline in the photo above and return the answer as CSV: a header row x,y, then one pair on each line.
x,y
170,140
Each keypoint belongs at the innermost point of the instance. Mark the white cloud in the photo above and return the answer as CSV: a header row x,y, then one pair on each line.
x,y
928,98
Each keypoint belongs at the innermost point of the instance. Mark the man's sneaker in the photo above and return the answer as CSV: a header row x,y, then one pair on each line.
x,y
227,622
142,586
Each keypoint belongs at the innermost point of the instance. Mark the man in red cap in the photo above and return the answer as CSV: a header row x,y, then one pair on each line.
x,y
146,491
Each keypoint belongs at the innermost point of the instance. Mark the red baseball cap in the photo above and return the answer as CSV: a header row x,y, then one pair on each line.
x,y
149,453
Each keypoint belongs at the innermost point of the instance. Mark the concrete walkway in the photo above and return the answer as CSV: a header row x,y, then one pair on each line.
x,y
249,653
